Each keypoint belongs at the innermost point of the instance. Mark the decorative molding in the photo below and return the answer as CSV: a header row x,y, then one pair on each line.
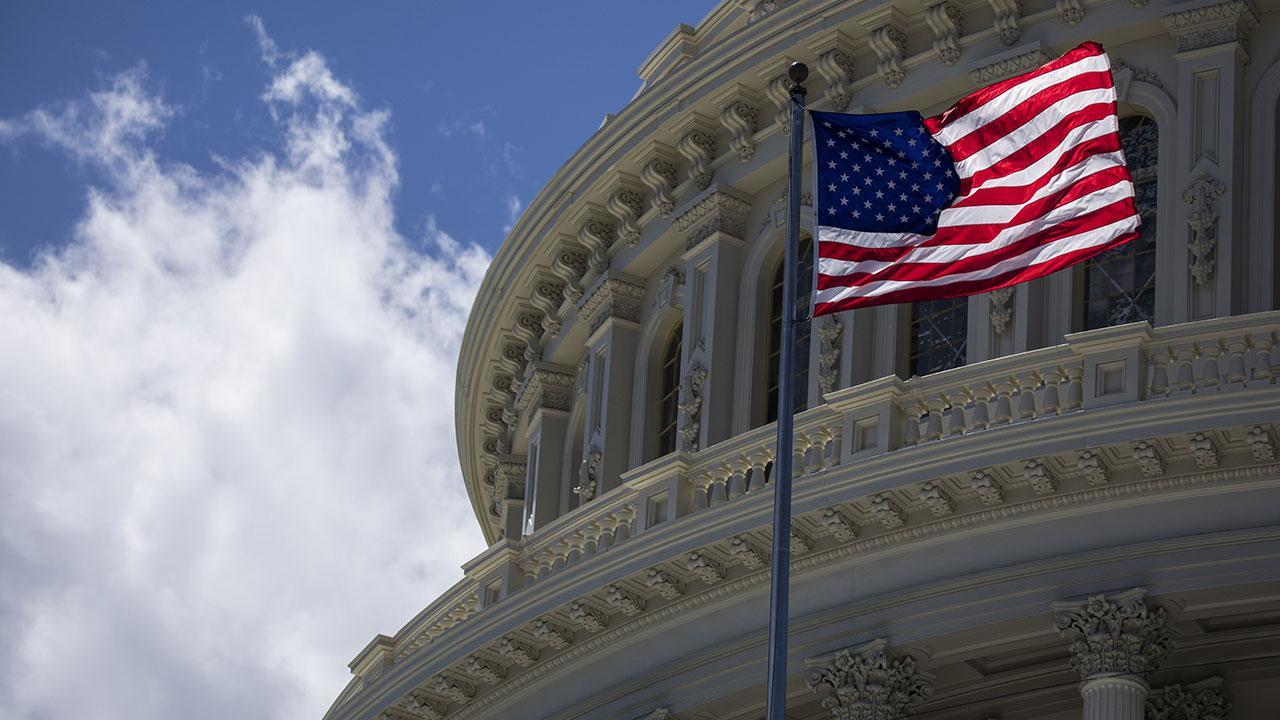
x,y
510,475
989,491
1071,11
570,266
1261,444
518,651
1001,309
596,234
1212,25
800,542
623,600
1094,470
937,498
666,585
419,705
747,552
835,52
889,43
485,670
1008,67
612,297
708,571
829,331
868,683
1041,479
691,407
887,511
1201,700
659,173
946,20
547,297
626,205
1149,459
1116,635
778,91
739,116
668,288
551,634
588,475
587,617
548,387
698,146
718,212
1007,24
455,689
838,525
1205,451
1202,196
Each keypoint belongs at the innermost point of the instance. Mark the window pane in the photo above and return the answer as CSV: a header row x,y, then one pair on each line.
x,y
939,334
1120,284
669,397
801,374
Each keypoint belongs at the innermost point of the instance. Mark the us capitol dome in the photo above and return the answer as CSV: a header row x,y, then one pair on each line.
x,y
1055,501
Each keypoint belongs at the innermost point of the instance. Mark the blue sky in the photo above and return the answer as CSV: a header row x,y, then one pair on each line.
x,y
238,248
486,100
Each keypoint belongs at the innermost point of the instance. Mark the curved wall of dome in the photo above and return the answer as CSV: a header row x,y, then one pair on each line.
x,y
1056,499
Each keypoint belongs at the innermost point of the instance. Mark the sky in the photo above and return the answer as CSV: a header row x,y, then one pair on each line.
x,y
238,246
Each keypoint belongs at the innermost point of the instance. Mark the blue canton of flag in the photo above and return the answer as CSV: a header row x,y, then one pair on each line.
x,y
881,173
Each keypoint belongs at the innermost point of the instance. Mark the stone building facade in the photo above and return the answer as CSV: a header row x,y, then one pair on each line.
x,y
1054,501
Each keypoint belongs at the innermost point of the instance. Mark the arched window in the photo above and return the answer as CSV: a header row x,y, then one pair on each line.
x,y
669,397
801,374
1120,284
939,335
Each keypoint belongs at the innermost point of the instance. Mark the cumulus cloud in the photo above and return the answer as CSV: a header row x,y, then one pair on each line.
x,y
226,441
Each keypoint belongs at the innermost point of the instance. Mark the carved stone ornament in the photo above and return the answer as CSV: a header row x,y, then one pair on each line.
x,y
569,266
691,407
626,205
668,288
624,601
1261,445
1148,457
829,331
1071,11
708,571
739,117
1038,475
485,670
551,634
612,297
587,617
946,21
778,90
1001,309
698,146
459,691
588,472
937,498
518,651
835,64
510,476
664,584
748,553
839,525
1212,24
889,42
717,212
1202,700
420,706
596,234
1202,195
1008,19
547,387
1116,635
989,491
659,175
1094,470
886,510
1008,67
1205,451
867,683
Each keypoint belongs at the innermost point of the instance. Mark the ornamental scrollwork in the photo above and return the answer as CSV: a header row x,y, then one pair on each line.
x,y
1202,195
1119,635
867,683
691,407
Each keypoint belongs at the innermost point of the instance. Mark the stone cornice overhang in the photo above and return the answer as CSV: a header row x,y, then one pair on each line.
x,y
738,56
1103,427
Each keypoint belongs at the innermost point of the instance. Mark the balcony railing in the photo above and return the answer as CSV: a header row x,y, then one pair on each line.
x,y
1091,370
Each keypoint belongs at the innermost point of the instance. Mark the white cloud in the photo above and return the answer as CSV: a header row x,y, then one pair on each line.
x,y
514,208
226,438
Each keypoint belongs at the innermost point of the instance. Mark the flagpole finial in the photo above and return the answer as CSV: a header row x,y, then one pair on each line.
x,y
798,72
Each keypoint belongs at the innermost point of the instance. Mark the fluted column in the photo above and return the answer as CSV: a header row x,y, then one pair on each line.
x,y
1116,643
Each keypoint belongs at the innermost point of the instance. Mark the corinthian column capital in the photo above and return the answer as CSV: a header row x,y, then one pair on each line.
x,y
1116,635
869,683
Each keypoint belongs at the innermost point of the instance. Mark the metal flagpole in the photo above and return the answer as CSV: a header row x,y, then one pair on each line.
x,y
780,579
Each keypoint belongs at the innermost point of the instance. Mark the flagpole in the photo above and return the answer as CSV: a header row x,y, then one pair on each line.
x,y
780,578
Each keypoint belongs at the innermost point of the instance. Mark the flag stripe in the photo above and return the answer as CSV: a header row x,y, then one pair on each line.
x,y
1042,184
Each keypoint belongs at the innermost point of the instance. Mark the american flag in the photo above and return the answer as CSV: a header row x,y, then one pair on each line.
x,y
1014,181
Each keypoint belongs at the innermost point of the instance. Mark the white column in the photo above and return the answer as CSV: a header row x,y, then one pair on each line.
x,y
612,308
1116,643
1117,697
